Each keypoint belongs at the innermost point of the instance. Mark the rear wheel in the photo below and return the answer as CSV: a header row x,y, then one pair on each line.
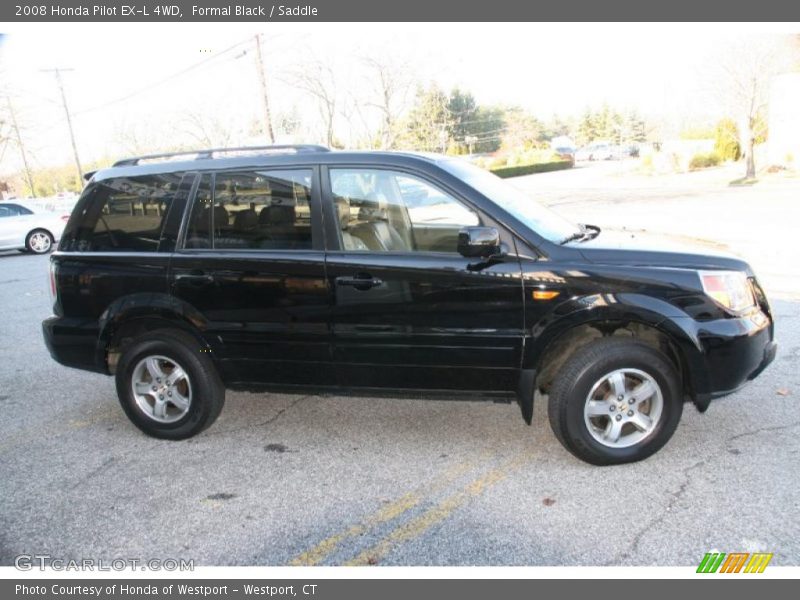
x,y
39,241
168,388
615,401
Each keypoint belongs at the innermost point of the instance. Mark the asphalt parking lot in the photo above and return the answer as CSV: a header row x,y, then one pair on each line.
x,y
283,479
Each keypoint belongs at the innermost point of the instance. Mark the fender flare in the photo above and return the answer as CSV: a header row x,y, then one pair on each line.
x,y
148,306
679,328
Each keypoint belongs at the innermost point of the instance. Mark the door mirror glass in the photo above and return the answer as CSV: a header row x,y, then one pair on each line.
x,y
478,242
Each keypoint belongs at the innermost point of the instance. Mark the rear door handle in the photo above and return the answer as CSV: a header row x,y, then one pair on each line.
x,y
360,281
195,277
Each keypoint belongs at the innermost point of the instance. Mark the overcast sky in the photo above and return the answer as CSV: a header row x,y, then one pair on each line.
x,y
118,87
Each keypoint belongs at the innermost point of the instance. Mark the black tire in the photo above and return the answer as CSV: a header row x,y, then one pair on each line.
x,y
571,388
207,390
31,246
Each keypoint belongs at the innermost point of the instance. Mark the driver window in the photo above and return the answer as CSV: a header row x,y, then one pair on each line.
x,y
388,211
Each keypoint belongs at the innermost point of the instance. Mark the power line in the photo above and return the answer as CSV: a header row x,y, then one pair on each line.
x,y
160,82
25,92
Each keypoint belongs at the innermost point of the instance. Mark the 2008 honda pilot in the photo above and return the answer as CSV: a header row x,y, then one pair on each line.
x,y
297,268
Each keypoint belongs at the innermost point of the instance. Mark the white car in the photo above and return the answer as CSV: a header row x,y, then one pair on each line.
x,y
29,229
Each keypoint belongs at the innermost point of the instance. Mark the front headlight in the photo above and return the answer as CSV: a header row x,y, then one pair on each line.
x,y
731,289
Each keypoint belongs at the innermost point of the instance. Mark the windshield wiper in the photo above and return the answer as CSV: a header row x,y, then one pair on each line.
x,y
587,232
578,235
592,231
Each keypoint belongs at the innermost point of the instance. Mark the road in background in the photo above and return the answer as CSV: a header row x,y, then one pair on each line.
x,y
283,479
759,222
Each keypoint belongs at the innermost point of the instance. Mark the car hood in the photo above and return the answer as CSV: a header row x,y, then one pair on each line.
x,y
640,247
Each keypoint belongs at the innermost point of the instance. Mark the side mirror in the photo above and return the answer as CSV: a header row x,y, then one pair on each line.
x,y
478,242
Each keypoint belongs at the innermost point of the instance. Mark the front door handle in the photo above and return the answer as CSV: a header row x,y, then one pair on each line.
x,y
361,281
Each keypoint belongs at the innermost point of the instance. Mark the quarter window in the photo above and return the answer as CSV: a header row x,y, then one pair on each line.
x,y
252,210
388,211
124,214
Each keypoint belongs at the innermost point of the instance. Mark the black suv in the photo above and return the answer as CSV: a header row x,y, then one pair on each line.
x,y
294,268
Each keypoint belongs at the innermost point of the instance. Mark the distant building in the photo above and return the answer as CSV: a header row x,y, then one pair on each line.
x,y
784,121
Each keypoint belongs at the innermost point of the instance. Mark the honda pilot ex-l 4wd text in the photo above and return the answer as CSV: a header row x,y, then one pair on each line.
x,y
294,268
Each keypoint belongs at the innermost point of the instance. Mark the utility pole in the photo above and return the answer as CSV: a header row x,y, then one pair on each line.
x,y
263,79
28,175
443,138
470,141
57,72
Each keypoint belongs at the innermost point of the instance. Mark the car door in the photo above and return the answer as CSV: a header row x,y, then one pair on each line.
x,y
11,226
251,263
409,312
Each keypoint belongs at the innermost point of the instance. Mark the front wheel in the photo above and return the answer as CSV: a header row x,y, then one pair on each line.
x,y
39,241
167,386
615,401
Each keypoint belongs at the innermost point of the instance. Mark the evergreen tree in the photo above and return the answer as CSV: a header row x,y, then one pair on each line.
x,y
427,125
463,109
587,128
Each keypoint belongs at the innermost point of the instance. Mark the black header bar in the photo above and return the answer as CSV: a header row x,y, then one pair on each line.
x,y
398,10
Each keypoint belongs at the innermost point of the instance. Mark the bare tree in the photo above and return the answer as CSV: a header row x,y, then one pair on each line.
x,y
390,83
355,113
746,72
136,138
5,133
316,78
207,131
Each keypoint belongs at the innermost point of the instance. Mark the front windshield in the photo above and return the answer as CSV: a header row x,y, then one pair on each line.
x,y
540,219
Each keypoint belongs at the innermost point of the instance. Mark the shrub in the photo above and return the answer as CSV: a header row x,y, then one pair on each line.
x,y
704,160
534,168
726,140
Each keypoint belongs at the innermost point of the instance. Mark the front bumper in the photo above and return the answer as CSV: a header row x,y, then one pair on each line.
x,y
728,353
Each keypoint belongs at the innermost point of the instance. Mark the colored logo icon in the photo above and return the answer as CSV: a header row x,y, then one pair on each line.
x,y
735,562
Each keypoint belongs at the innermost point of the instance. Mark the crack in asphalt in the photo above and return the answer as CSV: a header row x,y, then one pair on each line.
x,y
678,494
94,472
739,436
268,421
675,497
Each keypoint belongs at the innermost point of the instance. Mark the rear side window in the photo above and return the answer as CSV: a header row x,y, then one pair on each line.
x,y
250,210
125,214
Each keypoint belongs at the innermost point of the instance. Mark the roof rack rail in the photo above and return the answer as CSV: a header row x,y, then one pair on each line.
x,y
210,152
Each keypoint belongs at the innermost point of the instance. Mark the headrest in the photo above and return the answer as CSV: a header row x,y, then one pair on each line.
x,y
281,214
220,216
245,219
201,220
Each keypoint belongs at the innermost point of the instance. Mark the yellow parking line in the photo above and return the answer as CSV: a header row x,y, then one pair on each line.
x,y
387,513
419,525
